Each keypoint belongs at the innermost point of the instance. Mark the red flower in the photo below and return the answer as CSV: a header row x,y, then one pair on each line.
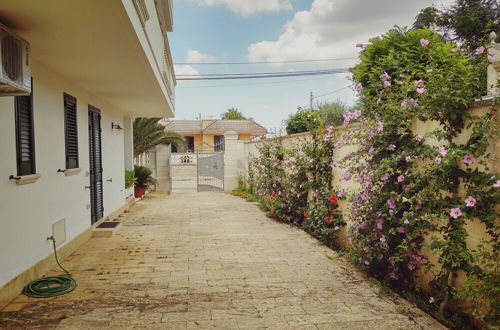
x,y
333,199
305,214
328,220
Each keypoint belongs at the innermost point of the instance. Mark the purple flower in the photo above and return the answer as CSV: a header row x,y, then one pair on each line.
x,y
408,158
380,223
492,56
358,87
391,202
419,83
424,42
401,178
364,196
402,230
349,239
419,138
387,83
442,150
437,160
497,184
326,138
469,159
382,238
385,76
385,177
409,103
367,262
347,176
455,212
380,126
470,201
391,147
479,50
340,194
420,90
333,164
411,266
454,50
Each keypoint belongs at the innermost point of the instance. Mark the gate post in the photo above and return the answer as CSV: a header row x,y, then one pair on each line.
x,y
233,160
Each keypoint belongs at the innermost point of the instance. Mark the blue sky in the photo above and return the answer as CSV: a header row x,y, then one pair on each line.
x,y
274,30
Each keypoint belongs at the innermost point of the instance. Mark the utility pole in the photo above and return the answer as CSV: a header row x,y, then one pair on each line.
x,y
311,101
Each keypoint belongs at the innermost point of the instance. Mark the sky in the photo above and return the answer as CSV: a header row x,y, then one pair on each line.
x,y
214,31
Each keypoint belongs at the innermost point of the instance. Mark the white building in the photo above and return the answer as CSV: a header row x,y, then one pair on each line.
x,y
94,65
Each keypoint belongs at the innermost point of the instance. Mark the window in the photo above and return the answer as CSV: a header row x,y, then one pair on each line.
x,y
25,142
190,143
218,143
70,131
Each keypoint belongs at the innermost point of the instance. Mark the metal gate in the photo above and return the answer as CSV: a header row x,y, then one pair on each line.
x,y
196,171
210,171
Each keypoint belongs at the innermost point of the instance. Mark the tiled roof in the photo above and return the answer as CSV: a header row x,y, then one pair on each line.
x,y
239,126
184,126
218,126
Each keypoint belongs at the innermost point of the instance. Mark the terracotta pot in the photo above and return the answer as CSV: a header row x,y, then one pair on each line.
x,y
139,191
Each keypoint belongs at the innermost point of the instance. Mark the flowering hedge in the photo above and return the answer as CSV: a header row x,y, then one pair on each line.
x,y
415,189
412,188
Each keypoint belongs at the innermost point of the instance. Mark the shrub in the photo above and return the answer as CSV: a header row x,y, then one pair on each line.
x,y
129,178
143,178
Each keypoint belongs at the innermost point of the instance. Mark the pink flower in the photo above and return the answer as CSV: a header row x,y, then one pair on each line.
x,y
431,300
406,222
333,164
385,177
326,138
442,150
382,238
336,228
428,70
387,83
455,212
404,199
492,56
424,42
454,50
385,76
408,158
402,230
391,147
420,90
419,83
367,262
470,201
419,138
340,194
411,266
437,160
391,202
346,176
497,184
349,239
380,126
479,50
358,87
469,159
401,178
380,223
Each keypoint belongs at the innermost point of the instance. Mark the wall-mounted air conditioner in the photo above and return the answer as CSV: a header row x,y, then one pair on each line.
x,y
15,71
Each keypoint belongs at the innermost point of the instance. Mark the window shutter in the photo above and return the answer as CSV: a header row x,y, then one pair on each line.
x,y
25,143
71,131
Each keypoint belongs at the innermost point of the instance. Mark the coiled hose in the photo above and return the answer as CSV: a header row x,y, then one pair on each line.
x,y
51,286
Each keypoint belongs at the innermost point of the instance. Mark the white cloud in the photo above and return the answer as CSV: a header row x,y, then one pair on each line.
x,y
194,56
332,28
247,8
185,70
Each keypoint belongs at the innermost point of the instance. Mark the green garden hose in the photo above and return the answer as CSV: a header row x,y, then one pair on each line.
x,y
51,286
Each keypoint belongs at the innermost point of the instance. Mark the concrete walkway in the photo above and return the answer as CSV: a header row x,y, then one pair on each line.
x,y
211,261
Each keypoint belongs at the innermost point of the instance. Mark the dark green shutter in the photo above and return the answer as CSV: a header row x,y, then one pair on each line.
x,y
71,131
25,142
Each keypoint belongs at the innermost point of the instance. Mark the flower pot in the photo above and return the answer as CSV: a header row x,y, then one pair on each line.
x,y
139,191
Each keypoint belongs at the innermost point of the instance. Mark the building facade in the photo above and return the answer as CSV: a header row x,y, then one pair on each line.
x,y
94,65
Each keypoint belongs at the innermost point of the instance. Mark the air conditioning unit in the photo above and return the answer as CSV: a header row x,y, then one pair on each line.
x,y
15,71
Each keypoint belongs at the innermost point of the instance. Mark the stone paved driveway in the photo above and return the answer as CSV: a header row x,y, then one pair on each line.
x,y
211,261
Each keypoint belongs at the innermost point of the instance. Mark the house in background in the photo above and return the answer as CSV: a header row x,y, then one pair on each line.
x,y
73,75
208,135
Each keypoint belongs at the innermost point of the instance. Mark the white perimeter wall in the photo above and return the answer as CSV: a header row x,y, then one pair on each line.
x,y
27,212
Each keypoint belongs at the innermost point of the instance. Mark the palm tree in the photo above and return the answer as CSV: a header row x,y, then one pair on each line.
x,y
232,114
148,133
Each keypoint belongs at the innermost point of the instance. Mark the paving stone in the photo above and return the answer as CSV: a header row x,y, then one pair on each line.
x,y
211,261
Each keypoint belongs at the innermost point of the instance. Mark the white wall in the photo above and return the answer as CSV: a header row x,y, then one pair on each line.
x,y
27,212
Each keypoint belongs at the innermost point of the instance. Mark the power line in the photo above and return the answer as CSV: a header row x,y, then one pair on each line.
x,y
267,62
268,75
254,73
332,92
255,84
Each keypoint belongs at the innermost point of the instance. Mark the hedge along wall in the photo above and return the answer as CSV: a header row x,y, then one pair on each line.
x,y
476,230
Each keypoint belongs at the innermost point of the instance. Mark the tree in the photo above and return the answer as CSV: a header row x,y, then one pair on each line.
x,y
148,133
232,114
332,113
467,22
303,120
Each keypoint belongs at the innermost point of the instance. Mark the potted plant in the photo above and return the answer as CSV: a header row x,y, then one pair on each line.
x,y
143,180
129,178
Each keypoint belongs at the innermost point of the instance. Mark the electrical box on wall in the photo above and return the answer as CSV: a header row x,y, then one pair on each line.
x,y
15,69
59,231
